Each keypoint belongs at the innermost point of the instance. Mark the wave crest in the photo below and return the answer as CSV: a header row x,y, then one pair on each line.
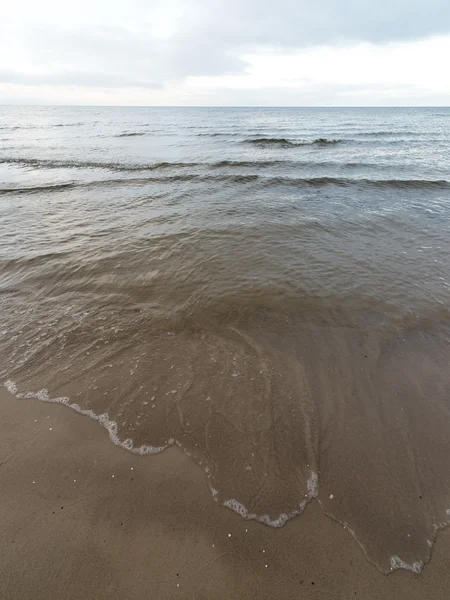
x,y
285,143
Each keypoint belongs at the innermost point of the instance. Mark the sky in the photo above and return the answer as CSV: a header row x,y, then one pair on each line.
x,y
226,52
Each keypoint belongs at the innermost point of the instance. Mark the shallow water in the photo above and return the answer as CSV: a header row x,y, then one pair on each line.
x,y
266,288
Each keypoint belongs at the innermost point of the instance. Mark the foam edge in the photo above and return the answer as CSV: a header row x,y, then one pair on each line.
x,y
103,419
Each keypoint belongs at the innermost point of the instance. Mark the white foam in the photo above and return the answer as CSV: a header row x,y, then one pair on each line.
x,y
103,419
313,485
398,563
241,510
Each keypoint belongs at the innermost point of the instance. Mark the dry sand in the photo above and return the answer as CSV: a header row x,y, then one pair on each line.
x,y
82,518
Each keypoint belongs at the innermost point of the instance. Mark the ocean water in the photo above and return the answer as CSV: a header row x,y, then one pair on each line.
x,y
269,289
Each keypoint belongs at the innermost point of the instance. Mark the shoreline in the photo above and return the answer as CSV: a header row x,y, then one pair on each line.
x,y
85,518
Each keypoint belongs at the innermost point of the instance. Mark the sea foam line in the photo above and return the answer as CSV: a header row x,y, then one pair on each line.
x,y
103,419
282,519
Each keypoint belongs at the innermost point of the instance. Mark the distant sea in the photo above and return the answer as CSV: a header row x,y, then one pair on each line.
x,y
268,289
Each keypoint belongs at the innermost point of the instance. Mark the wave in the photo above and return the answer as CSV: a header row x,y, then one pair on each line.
x,y
132,134
70,124
76,164
290,163
405,184
245,163
36,189
314,182
384,133
285,143
121,167
112,166
325,142
132,181
14,127
218,134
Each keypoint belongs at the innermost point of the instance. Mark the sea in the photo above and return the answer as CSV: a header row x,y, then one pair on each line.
x,y
266,288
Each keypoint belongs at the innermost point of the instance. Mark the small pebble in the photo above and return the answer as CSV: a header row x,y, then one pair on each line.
x,y
50,428
229,535
331,496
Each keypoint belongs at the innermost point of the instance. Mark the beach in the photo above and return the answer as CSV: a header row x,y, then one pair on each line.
x,y
224,352
93,521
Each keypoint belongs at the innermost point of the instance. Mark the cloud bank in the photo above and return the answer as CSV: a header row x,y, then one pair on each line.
x,y
197,51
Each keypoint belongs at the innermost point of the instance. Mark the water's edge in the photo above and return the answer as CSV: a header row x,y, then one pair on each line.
x,y
312,485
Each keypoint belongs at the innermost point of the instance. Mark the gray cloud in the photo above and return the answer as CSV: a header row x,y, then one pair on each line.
x,y
297,23
211,37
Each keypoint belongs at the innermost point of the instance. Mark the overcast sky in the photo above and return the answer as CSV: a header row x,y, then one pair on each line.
x,y
225,52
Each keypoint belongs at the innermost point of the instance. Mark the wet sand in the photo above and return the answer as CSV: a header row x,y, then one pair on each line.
x,y
91,520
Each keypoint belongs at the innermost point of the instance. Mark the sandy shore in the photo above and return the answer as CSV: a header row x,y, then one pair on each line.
x,y
82,518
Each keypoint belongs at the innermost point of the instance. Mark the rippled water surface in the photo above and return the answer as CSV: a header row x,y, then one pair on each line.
x,y
266,288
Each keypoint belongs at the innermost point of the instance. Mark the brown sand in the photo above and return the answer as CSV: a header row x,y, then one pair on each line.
x,y
82,518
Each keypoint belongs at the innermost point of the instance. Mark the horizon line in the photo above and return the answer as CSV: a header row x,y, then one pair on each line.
x,y
222,106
